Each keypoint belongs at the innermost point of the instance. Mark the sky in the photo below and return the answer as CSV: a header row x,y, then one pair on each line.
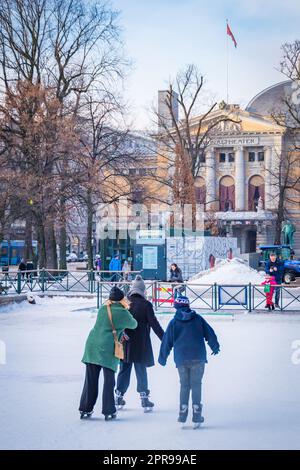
x,y
162,36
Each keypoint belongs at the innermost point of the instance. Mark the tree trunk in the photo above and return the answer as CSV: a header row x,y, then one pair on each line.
x,y
63,247
41,246
89,234
63,236
280,218
28,251
50,244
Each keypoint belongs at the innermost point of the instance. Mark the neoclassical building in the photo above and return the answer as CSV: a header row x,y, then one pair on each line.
x,y
237,176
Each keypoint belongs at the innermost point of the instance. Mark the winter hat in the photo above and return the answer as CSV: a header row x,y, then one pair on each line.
x,y
116,294
181,301
138,286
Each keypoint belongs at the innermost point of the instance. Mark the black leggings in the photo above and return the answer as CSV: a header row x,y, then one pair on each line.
x,y
90,390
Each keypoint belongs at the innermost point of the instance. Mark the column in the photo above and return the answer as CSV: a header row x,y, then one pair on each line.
x,y
210,179
267,178
276,163
240,179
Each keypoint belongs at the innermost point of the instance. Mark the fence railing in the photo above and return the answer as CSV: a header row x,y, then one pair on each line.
x,y
58,280
210,297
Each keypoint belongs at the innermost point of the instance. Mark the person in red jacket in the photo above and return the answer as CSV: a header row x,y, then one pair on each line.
x,y
269,288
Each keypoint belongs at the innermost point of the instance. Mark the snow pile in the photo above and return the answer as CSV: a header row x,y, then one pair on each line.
x,y
233,271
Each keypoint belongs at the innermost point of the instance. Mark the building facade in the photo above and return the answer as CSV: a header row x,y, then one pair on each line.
x,y
237,180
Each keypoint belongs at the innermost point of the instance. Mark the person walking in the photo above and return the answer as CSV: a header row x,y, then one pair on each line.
x,y
115,266
186,334
100,354
275,267
22,267
138,348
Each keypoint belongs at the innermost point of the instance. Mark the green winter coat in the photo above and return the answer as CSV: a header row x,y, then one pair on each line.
x,y
100,346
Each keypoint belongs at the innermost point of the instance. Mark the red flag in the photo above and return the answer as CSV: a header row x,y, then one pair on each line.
x,y
229,32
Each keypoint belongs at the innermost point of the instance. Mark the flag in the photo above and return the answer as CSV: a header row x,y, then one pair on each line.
x,y
229,32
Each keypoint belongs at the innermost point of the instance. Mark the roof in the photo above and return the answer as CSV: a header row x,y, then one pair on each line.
x,y
270,100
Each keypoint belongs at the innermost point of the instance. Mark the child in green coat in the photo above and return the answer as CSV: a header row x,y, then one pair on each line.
x,y
99,354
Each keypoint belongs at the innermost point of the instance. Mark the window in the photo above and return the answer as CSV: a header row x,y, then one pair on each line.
x,y
231,157
222,157
137,196
261,156
132,171
251,156
202,157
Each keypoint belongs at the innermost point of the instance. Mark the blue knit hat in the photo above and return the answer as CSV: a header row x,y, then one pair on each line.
x,y
181,301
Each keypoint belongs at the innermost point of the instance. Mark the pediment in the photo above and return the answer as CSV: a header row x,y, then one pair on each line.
x,y
237,121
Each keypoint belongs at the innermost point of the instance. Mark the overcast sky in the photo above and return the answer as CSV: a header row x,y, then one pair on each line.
x,y
162,36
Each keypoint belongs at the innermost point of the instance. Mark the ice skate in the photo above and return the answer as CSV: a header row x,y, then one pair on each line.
x,y
86,414
197,416
110,417
183,412
147,405
119,400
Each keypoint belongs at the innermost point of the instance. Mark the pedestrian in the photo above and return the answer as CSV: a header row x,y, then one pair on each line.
x,y
269,288
138,348
100,354
275,267
186,334
98,263
125,270
176,278
22,267
115,266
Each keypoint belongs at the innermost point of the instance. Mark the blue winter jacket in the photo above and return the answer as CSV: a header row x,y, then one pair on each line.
x,y
186,333
115,264
278,274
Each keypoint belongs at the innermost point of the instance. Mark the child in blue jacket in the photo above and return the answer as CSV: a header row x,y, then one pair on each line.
x,y
186,333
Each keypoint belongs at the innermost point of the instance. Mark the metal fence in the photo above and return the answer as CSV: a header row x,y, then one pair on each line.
x,y
210,297
55,280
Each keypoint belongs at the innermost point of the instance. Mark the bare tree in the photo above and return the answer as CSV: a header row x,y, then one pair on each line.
x,y
69,47
182,143
101,159
285,171
32,145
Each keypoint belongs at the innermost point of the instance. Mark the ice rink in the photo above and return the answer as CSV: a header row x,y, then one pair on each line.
x,y
250,392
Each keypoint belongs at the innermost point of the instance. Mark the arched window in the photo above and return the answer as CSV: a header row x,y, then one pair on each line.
x,y
200,190
256,192
227,194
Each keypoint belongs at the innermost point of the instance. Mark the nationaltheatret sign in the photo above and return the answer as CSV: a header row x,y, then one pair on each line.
x,y
231,141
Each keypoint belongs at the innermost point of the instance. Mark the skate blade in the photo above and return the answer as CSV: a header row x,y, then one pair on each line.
x,y
120,407
85,416
148,409
196,425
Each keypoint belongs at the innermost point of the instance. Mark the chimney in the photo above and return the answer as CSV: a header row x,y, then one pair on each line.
x,y
164,117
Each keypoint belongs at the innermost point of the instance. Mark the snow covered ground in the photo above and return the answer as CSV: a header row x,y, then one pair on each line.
x,y
250,392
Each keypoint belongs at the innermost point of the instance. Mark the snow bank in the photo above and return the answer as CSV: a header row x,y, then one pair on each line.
x,y
233,271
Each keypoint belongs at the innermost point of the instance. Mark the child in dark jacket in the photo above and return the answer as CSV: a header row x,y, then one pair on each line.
x,y
186,333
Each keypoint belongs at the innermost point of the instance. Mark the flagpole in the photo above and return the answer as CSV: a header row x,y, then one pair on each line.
x,y
227,61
